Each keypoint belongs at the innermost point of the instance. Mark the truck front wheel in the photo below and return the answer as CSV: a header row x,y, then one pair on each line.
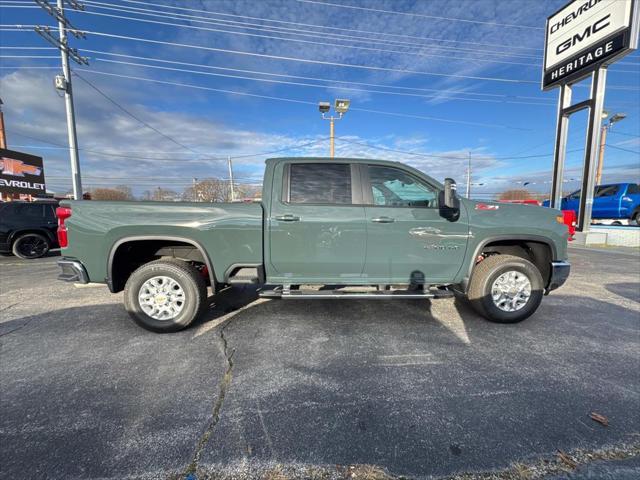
x,y
505,288
165,295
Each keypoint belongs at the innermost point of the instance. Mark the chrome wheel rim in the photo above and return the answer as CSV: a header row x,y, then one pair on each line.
x,y
511,291
162,298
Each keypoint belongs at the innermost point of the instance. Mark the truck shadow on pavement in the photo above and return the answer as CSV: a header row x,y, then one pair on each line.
x,y
630,290
416,387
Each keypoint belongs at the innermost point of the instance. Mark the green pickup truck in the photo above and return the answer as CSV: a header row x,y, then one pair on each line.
x,y
326,228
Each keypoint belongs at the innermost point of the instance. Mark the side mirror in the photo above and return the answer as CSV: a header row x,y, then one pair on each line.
x,y
449,201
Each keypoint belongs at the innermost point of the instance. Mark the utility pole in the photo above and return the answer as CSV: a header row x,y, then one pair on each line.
x,y
194,189
233,197
3,135
63,82
603,141
469,175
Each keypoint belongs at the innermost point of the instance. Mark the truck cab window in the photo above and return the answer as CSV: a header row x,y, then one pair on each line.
x,y
392,187
324,183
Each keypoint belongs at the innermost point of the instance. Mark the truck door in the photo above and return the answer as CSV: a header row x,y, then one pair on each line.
x,y
407,239
606,201
317,229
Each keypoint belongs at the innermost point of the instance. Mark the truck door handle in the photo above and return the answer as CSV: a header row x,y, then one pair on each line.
x,y
288,218
383,220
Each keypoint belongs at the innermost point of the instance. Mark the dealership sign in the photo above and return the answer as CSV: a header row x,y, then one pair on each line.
x,y
586,34
21,173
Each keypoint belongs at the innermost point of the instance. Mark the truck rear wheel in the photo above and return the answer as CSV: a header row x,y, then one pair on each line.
x,y
505,288
165,295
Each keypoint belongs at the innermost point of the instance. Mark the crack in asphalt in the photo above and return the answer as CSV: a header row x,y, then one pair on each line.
x,y
217,406
19,327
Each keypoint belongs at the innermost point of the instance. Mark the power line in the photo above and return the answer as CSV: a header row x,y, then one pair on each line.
x,y
445,96
326,27
262,28
286,75
462,156
135,117
174,159
305,60
616,132
111,154
624,149
5,47
363,39
25,67
310,42
420,15
303,102
31,57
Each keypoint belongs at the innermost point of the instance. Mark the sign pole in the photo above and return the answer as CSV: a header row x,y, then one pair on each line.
x,y
598,82
560,150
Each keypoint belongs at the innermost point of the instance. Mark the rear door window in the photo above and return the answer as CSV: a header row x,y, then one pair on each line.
x,y
30,210
323,183
607,191
50,212
633,189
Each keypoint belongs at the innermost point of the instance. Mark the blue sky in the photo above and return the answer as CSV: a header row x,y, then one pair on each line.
x,y
435,87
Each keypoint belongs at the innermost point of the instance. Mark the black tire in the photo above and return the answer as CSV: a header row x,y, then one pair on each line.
x,y
30,246
188,278
485,274
635,218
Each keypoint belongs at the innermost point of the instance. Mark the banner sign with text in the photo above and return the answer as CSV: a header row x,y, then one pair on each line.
x,y
21,173
585,34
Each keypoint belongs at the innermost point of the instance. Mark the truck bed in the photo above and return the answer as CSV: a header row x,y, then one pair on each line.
x,y
229,233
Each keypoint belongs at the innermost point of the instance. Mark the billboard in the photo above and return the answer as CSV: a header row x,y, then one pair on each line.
x,y
21,173
585,34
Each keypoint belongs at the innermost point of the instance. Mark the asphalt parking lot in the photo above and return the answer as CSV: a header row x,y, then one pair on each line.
x,y
318,389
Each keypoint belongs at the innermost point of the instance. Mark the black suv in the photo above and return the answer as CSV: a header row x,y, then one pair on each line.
x,y
28,230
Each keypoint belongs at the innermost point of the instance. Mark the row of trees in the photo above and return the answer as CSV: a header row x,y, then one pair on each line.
x,y
521,194
207,190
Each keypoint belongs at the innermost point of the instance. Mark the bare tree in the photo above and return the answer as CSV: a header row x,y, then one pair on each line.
x,y
517,194
209,190
163,195
110,194
126,191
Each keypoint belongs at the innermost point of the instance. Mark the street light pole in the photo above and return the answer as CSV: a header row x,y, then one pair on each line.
x,y
332,148
340,106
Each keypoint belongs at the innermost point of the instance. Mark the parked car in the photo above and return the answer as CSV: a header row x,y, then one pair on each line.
x,y
616,201
384,229
28,229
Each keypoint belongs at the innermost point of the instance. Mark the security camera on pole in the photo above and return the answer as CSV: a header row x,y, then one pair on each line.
x,y
340,106
582,39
